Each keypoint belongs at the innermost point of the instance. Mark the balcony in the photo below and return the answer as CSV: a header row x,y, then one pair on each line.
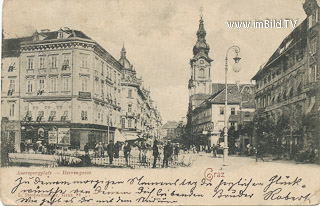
x,y
84,95
130,114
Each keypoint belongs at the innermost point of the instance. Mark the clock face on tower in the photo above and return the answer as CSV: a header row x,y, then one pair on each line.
x,y
201,61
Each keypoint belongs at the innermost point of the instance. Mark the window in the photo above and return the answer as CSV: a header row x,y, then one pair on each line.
x,y
12,85
42,62
30,62
11,67
313,46
84,115
64,116
84,61
66,62
232,124
201,73
221,110
313,18
12,107
52,115
313,73
123,122
130,93
130,108
247,114
102,93
115,76
30,85
41,86
84,83
233,111
53,84
66,83
54,60
102,65
129,123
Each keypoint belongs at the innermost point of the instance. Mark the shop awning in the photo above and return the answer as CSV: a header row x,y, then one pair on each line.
x,y
131,136
118,136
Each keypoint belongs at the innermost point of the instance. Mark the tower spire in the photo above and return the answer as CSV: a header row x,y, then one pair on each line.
x,y
201,48
123,52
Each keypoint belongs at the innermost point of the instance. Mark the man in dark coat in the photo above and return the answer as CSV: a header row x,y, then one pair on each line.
x,y
110,151
126,151
155,153
86,149
167,152
259,152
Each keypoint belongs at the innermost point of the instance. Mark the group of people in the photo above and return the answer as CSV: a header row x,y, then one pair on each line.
x,y
38,147
168,151
112,149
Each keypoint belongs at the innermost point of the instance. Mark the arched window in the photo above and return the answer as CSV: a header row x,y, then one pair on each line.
x,y
129,107
201,73
130,93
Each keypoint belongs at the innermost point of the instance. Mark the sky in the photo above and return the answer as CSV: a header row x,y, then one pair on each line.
x,y
159,35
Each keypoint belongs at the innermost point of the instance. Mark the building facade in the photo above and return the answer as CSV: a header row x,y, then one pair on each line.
x,y
288,84
63,89
207,119
139,116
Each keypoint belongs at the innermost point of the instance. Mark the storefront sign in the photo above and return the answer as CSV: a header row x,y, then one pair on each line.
x,y
84,95
52,137
64,136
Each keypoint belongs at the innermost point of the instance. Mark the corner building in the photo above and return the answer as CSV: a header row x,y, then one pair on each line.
x,y
70,89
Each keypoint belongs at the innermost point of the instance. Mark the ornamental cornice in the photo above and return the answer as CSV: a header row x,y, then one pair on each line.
x,y
40,46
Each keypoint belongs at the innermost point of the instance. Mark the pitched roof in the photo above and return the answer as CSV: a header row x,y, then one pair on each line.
x,y
11,47
170,125
298,34
73,33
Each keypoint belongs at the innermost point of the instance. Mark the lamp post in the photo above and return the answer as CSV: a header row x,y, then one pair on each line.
x,y
236,68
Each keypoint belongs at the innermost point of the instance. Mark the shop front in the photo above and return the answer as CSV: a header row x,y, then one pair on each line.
x,y
66,135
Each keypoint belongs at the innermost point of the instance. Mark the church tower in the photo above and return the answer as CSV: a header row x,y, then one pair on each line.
x,y
200,81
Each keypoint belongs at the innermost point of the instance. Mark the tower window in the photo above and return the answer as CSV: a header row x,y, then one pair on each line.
x,y
201,73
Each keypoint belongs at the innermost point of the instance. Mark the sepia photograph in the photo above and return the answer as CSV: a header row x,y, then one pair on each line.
x,y
160,102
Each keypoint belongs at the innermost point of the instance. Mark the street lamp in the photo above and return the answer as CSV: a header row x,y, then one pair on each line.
x,y
236,68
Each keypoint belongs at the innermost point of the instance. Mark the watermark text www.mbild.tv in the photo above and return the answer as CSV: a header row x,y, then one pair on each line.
x,y
263,24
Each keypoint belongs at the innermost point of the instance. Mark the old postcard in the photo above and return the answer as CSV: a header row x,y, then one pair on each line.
x,y
160,102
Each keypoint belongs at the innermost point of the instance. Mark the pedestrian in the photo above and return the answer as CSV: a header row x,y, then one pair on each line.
x,y
126,151
100,150
116,150
22,147
176,153
259,153
214,150
167,152
96,150
110,151
86,149
155,152
143,150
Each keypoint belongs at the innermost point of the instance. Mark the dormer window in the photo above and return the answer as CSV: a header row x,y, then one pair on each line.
x,y
313,18
60,34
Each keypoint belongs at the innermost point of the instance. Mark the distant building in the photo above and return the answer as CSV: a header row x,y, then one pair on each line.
x,y
205,118
169,130
140,116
